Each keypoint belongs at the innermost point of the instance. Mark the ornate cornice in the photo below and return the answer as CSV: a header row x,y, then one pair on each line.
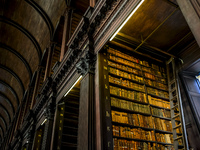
x,y
86,63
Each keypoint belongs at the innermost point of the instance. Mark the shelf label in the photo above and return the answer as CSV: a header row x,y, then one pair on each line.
x,y
105,60
109,144
104,76
107,114
108,128
106,97
106,87
105,68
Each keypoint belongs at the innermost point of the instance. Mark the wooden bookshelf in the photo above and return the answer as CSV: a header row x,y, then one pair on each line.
x,y
131,97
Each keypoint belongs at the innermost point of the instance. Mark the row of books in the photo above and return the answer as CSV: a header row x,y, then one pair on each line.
x,y
126,75
133,95
160,112
125,68
155,72
132,119
162,124
158,102
126,83
165,138
122,55
133,59
157,92
152,77
134,133
120,144
164,147
124,61
156,84
128,105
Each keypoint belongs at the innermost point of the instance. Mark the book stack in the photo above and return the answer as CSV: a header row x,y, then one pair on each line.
x,y
120,144
125,68
122,55
165,138
125,75
155,84
126,83
160,112
130,105
164,147
134,133
132,119
133,95
157,92
158,102
162,124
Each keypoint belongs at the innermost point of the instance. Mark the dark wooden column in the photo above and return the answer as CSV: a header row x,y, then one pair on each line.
x,y
49,113
191,12
66,29
49,61
37,82
86,128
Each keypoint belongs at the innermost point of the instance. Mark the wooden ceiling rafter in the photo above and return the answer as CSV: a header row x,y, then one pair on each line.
x,y
24,31
179,41
6,47
14,75
9,102
43,14
171,3
156,29
136,42
11,89
6,112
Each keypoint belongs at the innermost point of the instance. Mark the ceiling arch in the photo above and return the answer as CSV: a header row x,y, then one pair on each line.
x,y
4,122
12,91
23,30
15,75
6,112
43,15
2,131
6,47
8,101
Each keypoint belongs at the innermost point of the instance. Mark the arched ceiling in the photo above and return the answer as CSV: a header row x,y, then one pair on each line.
x,y
26,28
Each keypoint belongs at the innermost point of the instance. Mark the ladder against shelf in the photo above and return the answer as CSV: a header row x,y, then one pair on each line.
x,y
177,116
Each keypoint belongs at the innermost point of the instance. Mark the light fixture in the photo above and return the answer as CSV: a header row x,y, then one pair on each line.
x,y
43,122
73,86
126,20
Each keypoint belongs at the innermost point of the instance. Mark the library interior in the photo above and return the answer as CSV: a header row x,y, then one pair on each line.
x,y
100,75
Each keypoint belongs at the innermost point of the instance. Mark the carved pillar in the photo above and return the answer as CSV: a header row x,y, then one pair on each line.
x,y
49,113
86,137
191,12
37,82
66,30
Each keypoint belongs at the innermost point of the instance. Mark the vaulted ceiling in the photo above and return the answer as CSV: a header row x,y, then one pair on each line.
x,y
26,29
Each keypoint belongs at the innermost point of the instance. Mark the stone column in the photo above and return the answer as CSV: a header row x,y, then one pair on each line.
x,y
191,12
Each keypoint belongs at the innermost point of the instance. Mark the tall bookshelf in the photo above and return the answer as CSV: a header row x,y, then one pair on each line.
x,y
134,102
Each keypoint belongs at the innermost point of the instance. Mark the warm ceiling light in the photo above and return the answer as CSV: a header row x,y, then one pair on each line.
x,y
126,20
73,86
